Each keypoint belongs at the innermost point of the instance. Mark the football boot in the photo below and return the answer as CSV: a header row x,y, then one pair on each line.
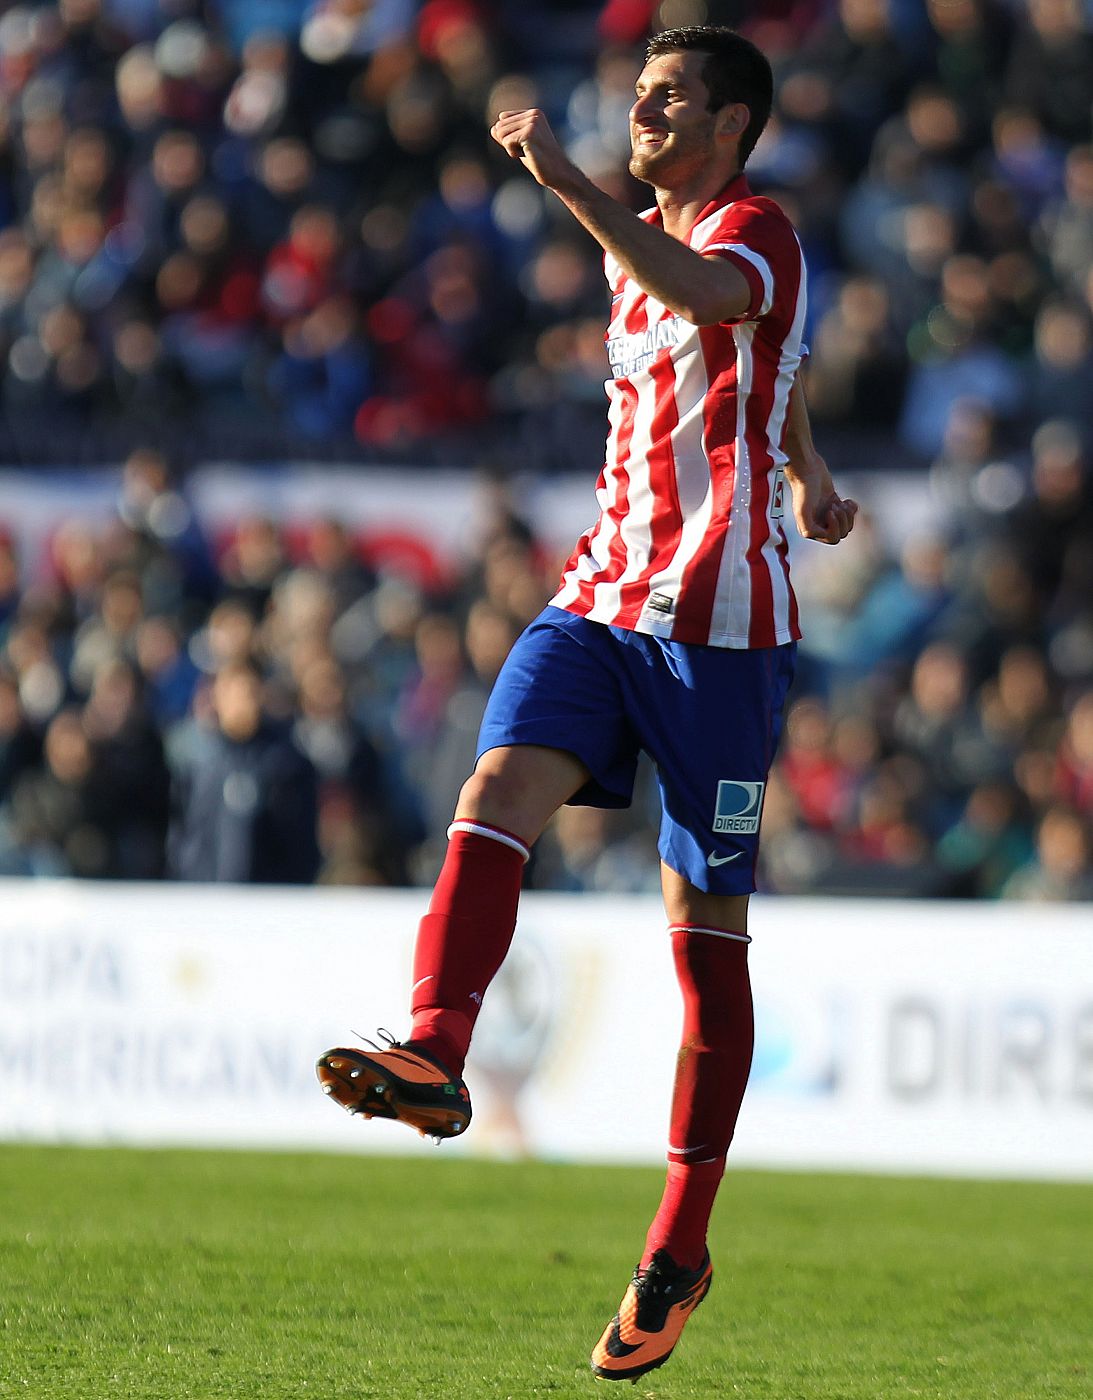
x,y
398,1081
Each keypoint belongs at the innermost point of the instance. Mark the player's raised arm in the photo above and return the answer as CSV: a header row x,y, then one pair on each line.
x,y
821,513
702,290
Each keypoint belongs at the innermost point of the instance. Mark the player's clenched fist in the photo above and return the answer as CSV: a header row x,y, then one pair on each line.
x,y
527,137
821,513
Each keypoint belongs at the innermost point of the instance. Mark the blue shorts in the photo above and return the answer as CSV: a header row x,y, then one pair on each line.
x,y
709,717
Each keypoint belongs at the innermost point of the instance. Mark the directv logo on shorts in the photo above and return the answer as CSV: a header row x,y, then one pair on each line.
x,y
738,806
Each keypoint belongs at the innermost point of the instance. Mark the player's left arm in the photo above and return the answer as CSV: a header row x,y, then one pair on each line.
x,y
821,513
703,290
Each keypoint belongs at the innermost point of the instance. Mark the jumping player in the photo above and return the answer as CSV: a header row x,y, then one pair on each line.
x,y
673,631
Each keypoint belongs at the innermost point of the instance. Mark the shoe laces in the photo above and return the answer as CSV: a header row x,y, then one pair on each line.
x,y
662,1276
652,1284
658,1286
389,1041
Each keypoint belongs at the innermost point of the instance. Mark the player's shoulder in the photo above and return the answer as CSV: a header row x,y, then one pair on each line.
x,y
752,211
754,221
761,206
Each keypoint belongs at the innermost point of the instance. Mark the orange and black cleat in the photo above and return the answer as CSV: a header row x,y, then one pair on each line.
x,y
653,1312
400,1082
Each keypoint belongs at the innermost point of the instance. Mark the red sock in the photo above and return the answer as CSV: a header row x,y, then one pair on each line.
x,y
711,1074
464,937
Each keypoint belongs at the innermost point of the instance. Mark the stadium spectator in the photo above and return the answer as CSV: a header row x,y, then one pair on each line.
x,y
1074,770
132,778
988,845
1062,868
860,370
169,674
862,71
59,819
1066,225
935,723
247,797
20,745
356,809
973,39
1051,66
1057,516
811,768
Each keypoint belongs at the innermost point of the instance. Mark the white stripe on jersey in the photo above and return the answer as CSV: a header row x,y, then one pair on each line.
x,y
788,364
732,612
731,617
760,264
637,526
598,556
694,483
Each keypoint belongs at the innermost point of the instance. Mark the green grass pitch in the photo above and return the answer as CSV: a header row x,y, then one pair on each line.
x,y
198,1274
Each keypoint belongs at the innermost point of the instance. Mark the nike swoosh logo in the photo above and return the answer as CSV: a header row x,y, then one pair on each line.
x,y
711,859
617,1348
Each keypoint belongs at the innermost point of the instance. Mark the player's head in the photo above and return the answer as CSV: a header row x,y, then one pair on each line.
x,y
702,87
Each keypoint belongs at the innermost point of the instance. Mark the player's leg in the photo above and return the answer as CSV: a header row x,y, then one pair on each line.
x,y
709,946
461,943
709,844
688,906
712,771
551,729
517,788
465,936
710,951
554,725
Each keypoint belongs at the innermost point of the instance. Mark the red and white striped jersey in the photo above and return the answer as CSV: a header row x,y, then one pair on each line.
x,y
689,544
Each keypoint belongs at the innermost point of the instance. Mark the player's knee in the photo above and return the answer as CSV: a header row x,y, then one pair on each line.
x,y
501,798
520,787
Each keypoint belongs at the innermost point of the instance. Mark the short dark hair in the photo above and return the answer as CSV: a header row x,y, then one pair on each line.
x,y
735,71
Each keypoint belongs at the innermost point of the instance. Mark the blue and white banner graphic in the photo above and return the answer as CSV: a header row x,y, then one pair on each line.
x,y
891,1036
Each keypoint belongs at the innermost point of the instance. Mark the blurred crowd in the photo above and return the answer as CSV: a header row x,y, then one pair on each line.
x,y
941,741
265,227
267,704
274,228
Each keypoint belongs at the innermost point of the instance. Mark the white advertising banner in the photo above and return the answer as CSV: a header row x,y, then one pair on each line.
x,y
892,1036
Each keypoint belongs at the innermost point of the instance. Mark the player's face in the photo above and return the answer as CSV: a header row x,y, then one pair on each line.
x,y
671,128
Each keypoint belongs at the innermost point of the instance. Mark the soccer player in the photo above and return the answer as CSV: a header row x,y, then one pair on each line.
x,y
673,631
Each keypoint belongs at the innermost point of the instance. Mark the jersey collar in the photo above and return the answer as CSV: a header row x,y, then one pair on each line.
x,y
737,188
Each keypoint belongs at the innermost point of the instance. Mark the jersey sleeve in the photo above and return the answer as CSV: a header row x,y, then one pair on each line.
x,y
759,242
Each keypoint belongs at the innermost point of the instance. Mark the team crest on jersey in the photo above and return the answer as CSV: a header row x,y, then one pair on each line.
x,y
630,354
739,806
